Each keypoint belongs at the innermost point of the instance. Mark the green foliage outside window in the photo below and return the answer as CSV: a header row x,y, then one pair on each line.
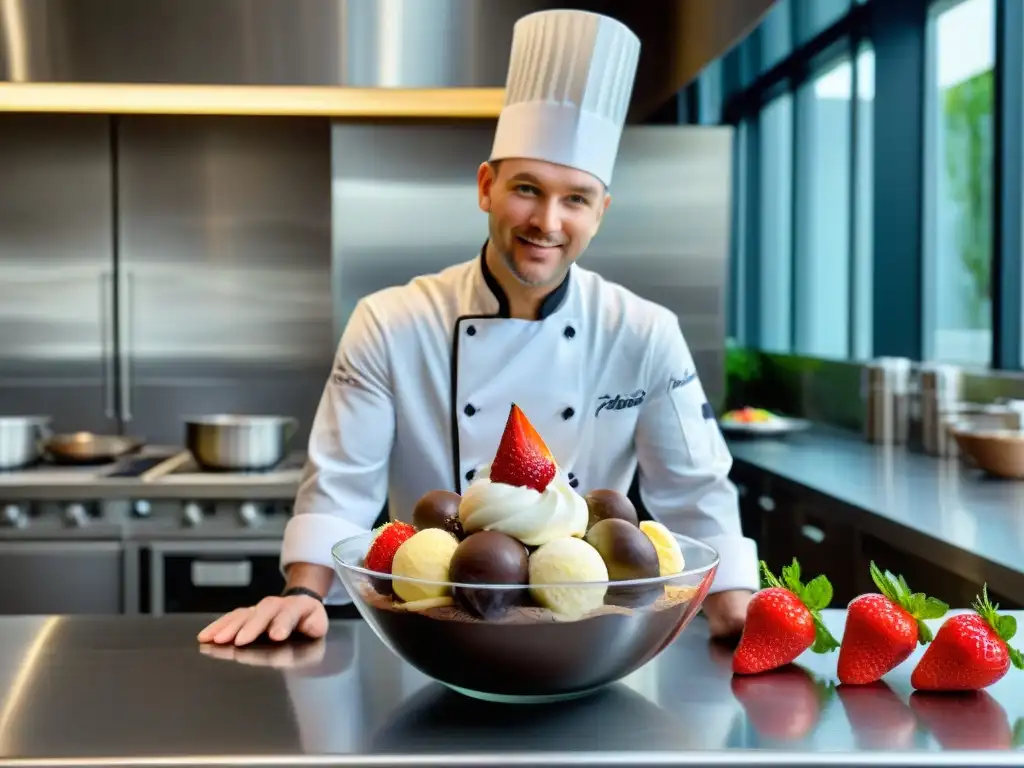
x,y
968,114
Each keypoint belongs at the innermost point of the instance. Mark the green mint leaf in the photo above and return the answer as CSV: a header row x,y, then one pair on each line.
x,y
924,633
1016,658
1006,627
932,608
824,642
818,593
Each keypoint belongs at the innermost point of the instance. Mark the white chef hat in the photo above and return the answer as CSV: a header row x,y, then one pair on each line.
x,y
570,78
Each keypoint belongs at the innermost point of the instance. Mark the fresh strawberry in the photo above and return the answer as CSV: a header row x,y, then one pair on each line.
x,y
522,458
882,630
970,651
783,621
382,551
805,697
972,720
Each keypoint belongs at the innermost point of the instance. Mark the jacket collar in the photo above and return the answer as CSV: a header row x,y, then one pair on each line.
x,y
493,291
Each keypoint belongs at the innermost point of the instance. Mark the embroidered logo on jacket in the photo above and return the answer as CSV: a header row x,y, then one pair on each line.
x,y
620,402
674,383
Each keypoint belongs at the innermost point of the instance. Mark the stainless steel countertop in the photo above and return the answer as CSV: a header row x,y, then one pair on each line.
x,y
941,509
140,691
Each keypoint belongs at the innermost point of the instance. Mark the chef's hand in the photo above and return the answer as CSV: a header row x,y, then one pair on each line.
x,y
277,616
726,613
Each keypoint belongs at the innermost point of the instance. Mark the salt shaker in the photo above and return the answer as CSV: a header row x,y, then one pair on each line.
x,y
885,387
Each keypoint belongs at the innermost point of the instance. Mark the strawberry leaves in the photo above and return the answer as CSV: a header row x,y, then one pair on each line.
x,y
815,595
1004,626
917,604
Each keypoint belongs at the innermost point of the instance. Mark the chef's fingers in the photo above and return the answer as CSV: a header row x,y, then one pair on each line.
x,y
293,611
217,631
314,623
259,619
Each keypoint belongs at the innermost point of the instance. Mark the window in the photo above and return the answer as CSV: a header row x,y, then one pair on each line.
x,y
738,246
864,233
824,143
815,16
775,213
958,210
776,35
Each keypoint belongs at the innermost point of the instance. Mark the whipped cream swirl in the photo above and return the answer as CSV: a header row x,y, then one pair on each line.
x,y
533,517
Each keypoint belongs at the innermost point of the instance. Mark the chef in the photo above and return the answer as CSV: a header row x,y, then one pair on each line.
x,y
425,372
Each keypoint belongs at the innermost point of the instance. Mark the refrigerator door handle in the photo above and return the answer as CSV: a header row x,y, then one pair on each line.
x,y
107,343
127,344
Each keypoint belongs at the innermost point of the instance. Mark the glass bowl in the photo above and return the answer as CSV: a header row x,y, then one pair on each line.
x,y
521,652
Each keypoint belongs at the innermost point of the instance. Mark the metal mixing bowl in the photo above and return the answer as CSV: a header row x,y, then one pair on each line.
x,y
237,443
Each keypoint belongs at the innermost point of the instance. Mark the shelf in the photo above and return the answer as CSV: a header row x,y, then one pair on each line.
x,y
356,103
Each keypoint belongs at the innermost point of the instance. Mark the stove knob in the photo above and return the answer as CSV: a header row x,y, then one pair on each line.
x,y
75,515
192,515
141,508
14,516
249,514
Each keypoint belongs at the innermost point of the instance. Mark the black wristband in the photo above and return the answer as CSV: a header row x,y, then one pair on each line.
x,y
302,591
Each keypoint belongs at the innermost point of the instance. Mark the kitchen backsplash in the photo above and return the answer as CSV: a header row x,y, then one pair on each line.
x,y
829,391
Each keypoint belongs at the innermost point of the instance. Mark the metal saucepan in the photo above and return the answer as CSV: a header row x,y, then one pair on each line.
x,y
88,448
235,443
21,440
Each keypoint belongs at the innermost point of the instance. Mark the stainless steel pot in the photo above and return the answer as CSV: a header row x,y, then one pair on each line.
x,y
232,443
21,440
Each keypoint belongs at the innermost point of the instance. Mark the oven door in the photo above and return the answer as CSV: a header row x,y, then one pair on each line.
x,y
211,576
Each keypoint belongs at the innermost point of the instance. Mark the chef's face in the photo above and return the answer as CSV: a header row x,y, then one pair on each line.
x,y
541,216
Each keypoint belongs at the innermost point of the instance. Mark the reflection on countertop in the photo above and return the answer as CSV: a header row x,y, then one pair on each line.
x,y
77,689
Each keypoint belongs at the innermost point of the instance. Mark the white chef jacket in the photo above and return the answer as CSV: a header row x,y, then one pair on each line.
x,y
422,383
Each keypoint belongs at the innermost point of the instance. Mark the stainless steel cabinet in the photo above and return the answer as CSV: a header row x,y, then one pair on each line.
x,y
56,270
155,267
225,268
52,577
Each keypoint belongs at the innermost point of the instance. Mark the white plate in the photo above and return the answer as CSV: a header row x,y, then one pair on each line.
x,y
780,425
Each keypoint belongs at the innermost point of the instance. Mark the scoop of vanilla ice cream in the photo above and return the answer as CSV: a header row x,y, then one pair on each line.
x,y
565,561
534,517
670,556
424,555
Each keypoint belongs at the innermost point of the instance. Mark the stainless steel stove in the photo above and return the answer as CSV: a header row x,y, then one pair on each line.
x,y
150,533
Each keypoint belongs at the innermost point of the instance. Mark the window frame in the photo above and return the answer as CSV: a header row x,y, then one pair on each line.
x,y
843,39
899,301
1007,184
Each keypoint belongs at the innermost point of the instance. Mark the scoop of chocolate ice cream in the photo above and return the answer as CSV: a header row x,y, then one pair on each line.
x,y
489,557
438,509
605,504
